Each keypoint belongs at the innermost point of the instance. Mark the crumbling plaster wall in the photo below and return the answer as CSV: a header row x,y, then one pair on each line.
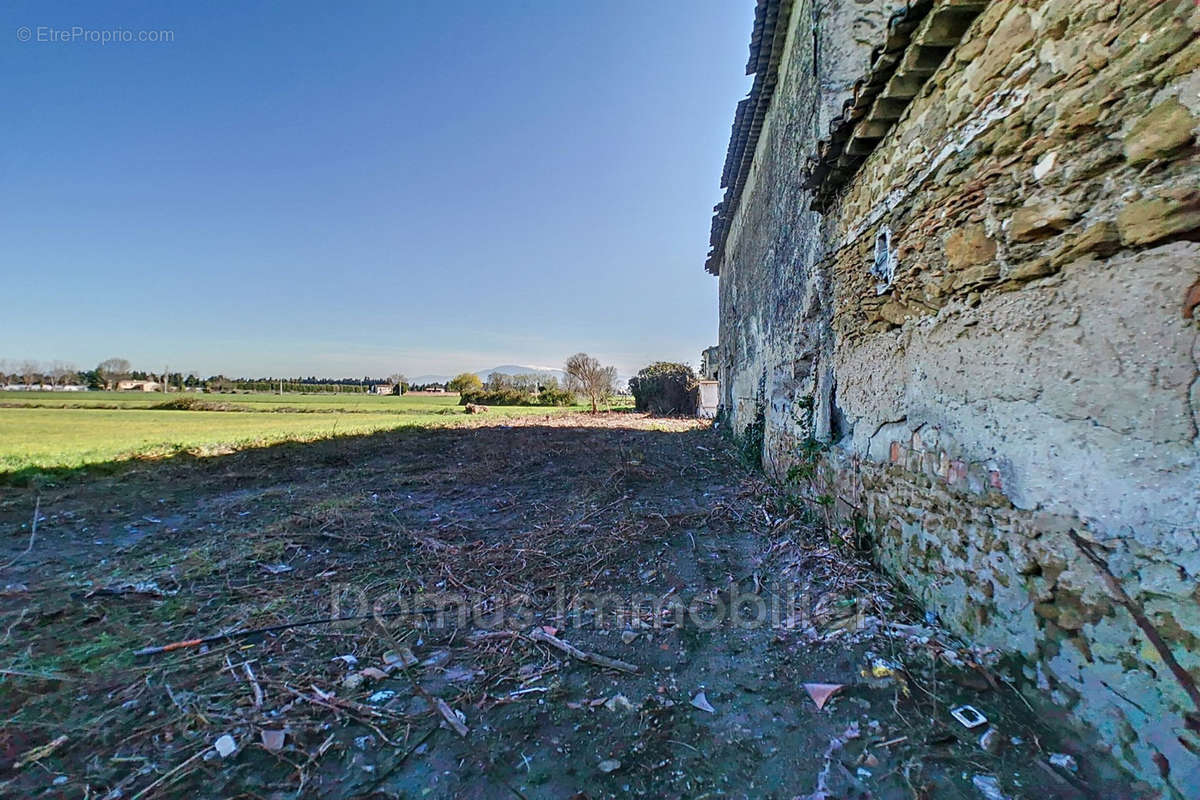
x,y
1073,393
776,359
1031,369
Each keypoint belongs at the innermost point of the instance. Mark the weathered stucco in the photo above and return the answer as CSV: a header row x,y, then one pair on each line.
x,y
993,329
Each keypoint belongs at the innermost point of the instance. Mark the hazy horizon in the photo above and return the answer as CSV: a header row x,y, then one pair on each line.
x,y
10,364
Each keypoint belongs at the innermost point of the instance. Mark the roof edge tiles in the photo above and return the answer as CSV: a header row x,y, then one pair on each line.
x,y
918,38
767,42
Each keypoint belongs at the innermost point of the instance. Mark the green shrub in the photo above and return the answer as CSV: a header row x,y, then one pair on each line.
x,y
464,383
553,396
498,397
191,404
665,388
750,442
549,396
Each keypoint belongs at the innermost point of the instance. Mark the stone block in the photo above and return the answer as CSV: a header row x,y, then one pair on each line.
x,y
1163,130
977,276
1015,33
904,85
968,246
872,129
1173,213
896,313
923,60
945,25
1040,221
1185,61
888,108
1031,270
1101,238
1082,117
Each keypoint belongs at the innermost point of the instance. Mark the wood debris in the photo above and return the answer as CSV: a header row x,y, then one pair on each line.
x,y
539,635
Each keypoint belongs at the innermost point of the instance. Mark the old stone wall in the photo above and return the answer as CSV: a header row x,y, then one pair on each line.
x,y
993,327
776,360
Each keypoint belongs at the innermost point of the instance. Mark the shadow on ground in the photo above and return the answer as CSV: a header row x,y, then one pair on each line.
x,y
480,536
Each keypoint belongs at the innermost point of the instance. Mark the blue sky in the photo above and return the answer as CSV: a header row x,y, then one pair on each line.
x,y
365,187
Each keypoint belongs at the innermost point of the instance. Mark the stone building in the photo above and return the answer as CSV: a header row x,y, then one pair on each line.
x,y
709,363
959,257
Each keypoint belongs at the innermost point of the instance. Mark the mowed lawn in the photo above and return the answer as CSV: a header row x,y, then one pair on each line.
x,y
50,431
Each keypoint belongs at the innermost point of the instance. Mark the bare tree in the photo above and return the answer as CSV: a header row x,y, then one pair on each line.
x,y
61,373
113,370
586,376
30,372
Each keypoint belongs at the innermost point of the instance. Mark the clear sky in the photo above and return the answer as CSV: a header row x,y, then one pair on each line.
x,y
364,187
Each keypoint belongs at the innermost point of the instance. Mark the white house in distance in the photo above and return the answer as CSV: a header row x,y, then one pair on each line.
x,y
138,386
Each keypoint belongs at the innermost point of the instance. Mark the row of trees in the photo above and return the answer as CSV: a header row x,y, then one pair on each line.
x,y
63,373
532,389
108,373
661,387
585,376
28,372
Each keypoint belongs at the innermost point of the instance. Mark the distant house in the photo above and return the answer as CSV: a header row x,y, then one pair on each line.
x,y
138,386
709,358
385,388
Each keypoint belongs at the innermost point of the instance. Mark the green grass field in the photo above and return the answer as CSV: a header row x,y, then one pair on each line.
x,y
53,431
348,402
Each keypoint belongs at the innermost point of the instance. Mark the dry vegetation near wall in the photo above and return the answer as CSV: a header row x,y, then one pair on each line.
x,y
994,321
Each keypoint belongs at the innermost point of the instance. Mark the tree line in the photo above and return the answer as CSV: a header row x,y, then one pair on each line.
x,y
108,374
585,376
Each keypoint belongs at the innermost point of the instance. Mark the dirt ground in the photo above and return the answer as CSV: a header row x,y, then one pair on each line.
x,y
626,537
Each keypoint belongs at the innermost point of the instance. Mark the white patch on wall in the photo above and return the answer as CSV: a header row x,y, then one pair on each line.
x,y
998,105
1044,165
884,264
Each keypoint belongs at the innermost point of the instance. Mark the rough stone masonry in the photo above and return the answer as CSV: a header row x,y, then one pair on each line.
x,y
959,262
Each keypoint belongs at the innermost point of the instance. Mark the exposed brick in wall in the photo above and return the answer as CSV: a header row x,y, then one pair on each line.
x,y
994,324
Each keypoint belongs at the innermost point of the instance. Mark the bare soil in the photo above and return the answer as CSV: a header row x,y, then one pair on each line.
x,y
528,523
